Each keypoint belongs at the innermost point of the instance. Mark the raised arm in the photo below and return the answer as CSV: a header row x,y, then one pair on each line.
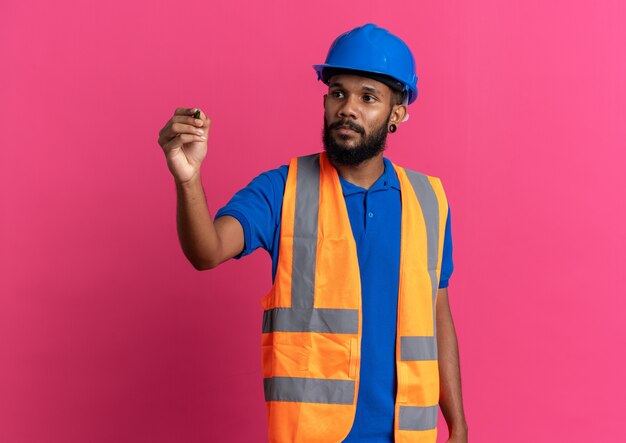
x,y
205,244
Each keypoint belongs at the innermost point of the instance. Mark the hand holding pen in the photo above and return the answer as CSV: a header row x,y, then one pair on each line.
x,y
184,142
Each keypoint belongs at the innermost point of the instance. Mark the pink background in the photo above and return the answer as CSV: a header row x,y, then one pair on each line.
x,y
108,334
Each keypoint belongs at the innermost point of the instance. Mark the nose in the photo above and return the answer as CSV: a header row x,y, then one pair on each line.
x,y
348,108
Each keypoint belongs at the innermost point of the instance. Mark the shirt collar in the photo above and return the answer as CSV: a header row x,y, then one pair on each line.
x,y
388,179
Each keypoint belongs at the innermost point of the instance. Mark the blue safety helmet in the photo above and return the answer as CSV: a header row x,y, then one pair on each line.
x,y
372,52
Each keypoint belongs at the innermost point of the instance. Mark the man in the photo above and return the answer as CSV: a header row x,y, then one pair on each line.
x,y
358,339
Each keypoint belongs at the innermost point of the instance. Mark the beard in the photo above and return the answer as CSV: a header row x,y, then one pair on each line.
x,y
369,145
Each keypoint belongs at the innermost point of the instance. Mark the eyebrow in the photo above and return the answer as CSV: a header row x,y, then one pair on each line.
x,y
365,88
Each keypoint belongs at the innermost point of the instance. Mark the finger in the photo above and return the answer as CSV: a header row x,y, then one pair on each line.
x,y
198,111
180,125
203,120
190,120
182,139
185,111
186,127
175,126
191,112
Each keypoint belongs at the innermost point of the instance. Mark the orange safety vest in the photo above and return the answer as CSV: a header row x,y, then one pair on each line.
x,y
311,337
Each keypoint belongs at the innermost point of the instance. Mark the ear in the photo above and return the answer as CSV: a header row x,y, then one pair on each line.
x,y
397,114
325,95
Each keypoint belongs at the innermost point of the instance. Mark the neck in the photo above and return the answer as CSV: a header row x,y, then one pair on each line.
x,y
364,174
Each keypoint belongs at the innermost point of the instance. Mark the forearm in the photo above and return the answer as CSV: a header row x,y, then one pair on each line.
x,y
196,231
450,400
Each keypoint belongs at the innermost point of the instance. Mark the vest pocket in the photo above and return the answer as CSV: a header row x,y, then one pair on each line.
x,y
289,354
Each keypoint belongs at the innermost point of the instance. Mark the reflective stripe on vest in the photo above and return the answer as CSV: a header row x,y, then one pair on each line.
x,y
312,315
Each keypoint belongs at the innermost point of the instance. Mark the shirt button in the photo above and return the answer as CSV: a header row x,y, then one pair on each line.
x,y
370,215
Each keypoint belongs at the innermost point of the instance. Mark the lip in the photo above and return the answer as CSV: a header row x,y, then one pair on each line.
x,y
345,130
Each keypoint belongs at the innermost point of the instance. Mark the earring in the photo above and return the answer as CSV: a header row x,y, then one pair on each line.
x,y
392,128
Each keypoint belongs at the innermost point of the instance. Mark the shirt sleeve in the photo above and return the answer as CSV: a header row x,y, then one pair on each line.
x,y
447,265
258,208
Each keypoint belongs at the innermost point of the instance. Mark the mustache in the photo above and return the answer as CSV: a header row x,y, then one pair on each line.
x,y
349,124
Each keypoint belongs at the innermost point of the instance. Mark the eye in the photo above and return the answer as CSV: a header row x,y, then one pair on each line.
x,y
336,94
369,98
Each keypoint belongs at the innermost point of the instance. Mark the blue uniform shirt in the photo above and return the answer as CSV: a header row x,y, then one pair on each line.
x,y
375,217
